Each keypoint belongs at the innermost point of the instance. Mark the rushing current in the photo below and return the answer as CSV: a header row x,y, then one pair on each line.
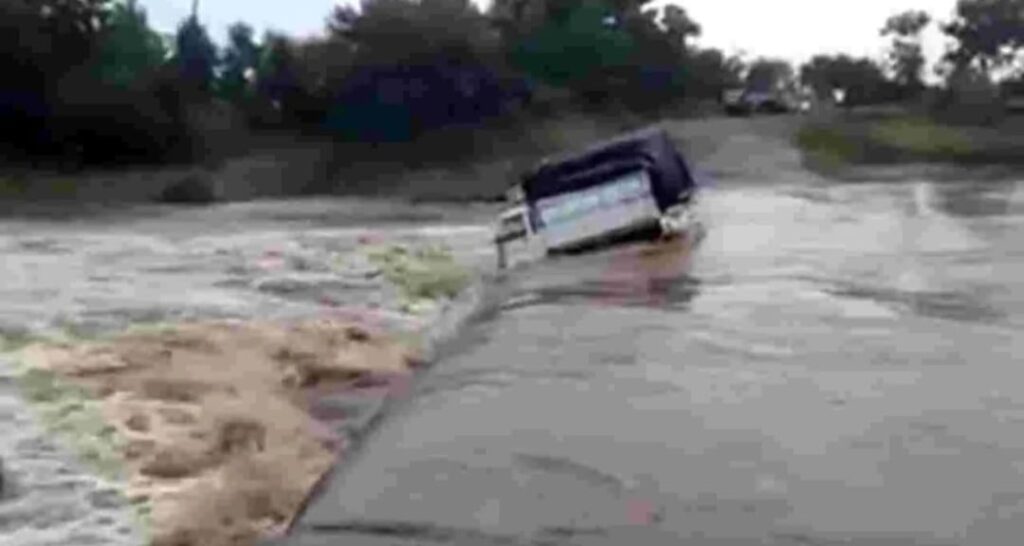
x,y
834,363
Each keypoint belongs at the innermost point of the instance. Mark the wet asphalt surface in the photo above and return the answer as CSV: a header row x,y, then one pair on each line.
x,y
835,363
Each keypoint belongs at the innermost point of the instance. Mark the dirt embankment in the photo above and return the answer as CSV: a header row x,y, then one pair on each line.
x,y
213,419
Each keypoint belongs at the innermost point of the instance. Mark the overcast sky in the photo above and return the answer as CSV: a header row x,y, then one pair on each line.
x,y
792,29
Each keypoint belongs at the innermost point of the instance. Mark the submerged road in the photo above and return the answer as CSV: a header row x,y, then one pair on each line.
x,y
836,363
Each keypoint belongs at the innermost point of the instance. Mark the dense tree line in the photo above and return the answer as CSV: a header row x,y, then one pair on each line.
x,y
91,81
986,38
864,81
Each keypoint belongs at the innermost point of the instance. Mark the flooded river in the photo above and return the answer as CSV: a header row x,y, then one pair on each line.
x,y
835,363
840,364
85,272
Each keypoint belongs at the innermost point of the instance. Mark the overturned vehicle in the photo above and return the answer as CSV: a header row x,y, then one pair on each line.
x,y
635,187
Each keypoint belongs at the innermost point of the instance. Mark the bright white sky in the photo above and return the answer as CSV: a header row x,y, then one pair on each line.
x,y
791,29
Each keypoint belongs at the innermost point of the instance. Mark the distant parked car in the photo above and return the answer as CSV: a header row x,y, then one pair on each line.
x,y
735,102
746,102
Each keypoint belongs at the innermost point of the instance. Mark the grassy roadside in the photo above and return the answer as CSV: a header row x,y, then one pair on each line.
x,y
841,141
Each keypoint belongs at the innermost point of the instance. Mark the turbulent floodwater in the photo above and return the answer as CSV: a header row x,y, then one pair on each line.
x,y
839,365
833,364
83,273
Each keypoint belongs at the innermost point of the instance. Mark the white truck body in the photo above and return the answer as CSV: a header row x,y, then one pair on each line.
x,y
576,218
635,186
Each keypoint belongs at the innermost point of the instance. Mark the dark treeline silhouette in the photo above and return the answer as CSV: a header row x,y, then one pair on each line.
x,y
986,37
90,82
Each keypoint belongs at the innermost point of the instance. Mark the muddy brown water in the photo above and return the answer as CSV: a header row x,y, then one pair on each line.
x,y
839,364
91,271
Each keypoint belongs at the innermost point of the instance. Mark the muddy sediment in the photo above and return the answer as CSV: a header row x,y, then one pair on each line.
x,y
184,377
213,419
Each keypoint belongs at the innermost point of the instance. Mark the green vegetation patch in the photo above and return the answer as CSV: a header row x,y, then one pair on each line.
x,y
923,138
906,139
12,187
71,414
13,340
828,145
65,409
428,272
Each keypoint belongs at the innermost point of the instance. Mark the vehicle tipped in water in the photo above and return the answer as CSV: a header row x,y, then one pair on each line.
x,y
634,187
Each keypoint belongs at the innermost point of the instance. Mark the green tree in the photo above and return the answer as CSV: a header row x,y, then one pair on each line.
x,y
323,64
240,61
195,57
970,96
130,49
765,74
298,78
415,64
74,25
906,57
514,19
390,31
862,79
277,77
576,47
988,32
43,42
679,26
608,49
49,37
711,72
